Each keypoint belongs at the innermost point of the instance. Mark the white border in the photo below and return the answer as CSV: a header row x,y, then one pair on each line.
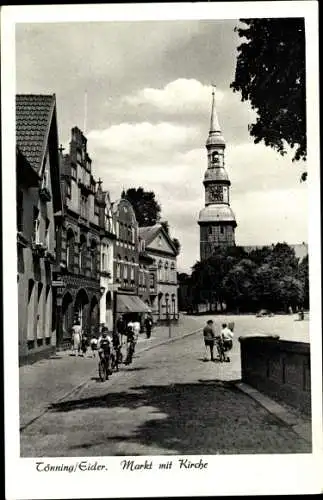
x,y
227,475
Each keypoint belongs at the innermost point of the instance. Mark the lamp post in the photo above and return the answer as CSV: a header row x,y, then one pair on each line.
x,y
168,315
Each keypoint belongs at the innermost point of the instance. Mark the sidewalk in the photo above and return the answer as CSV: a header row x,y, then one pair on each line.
x,y
50,380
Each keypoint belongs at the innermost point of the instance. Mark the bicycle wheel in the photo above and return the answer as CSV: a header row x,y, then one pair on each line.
x,y
102,371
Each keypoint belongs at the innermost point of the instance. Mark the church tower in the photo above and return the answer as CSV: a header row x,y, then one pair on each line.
x,y
217,221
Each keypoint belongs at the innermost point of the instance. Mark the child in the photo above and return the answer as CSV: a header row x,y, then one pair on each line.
x,y
94,345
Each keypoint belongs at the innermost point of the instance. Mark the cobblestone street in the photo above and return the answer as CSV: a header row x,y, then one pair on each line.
x,y
169,401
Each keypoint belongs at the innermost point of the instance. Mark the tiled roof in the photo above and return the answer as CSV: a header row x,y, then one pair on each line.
x,y
148,233
33,118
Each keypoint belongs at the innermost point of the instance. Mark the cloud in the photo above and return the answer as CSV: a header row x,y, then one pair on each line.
x,y
145,137
269,216
179,96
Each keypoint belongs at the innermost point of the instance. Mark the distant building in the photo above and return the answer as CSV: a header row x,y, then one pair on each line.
x,y
147,279
163,298
78,242
39,210
217,221
126,261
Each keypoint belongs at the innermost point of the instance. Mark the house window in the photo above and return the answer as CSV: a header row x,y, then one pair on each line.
x,y
132,271
103,262
160,265
68,191
84,207
47,222
73,171
166,272
20,211
96,210
70,250
118,270
82,258
117,229
36,223
45,178
93,257
152,280
133,235
142,246
79,156
125,269
173,272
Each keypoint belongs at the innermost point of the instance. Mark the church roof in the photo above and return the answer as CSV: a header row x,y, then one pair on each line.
x,y
217,213
33,119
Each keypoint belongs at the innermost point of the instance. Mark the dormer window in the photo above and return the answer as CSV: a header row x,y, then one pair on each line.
x,y
79,156
73,171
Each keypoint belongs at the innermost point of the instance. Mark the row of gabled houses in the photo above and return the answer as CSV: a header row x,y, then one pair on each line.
x,y
81,256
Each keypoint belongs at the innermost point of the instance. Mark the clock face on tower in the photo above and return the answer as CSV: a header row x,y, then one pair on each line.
x,y
215,193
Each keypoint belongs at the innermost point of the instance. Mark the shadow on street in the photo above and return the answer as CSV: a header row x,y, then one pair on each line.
x,y
209,417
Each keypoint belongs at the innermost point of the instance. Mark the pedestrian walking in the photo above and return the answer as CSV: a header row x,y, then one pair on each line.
x,y
209,337
136,329
148,325
76,337
84,344
227,337
93,345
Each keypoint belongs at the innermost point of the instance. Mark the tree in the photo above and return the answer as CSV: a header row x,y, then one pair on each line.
x,y
290,292
270,73
239,288
303,276
146,207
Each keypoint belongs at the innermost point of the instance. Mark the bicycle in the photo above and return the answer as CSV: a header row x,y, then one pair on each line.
x,y
104,370
130,352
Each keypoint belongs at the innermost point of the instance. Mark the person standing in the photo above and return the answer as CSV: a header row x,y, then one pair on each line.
x,y
148,325
76,337
227,337
121,328
209,337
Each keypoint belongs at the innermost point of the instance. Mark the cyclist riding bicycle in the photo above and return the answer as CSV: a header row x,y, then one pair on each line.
x,y
105,347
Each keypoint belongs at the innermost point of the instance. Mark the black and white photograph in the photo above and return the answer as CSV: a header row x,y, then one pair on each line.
x,y
162,296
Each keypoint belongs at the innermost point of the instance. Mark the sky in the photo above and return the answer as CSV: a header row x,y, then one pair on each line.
x,y
141,93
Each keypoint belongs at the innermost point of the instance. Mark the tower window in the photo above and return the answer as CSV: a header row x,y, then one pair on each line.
x,y
221,229
210,230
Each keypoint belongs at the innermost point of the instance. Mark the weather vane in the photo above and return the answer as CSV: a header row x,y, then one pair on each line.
x,y
213,88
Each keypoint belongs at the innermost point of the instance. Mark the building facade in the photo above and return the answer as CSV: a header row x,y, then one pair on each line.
x,y
163,298
126,261
78,280
107,243
39,210
217,221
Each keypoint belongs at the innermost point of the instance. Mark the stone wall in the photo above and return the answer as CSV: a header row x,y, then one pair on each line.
x,y
278,368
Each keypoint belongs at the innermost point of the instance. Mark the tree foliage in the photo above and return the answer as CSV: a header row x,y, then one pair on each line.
x,y
270,73
148,210
269,277
146,207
